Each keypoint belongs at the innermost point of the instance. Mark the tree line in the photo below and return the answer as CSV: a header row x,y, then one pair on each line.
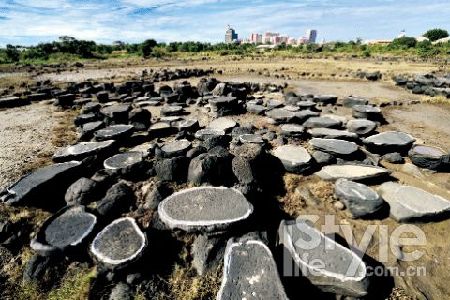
x,y
75,49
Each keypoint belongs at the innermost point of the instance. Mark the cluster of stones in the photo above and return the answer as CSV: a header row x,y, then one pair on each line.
x,y
97,183
427,84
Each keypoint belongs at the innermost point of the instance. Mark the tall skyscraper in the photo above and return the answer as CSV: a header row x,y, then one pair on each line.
x,y
311,35
230,35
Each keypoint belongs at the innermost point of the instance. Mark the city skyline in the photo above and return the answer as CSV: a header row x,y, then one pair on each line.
x,y
28,22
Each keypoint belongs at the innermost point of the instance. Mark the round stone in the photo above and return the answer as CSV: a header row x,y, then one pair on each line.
x,y
389,141
119,243
123,160
361,126
205,209
114,132
207,133
69,228
368,112
295,159
225,124
176,148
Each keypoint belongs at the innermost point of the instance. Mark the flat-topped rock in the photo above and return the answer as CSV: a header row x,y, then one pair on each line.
x,y
161,129
206,133
11,102
306,104
119,243
33,186
368,112
322,122
204,209
116,112
223,123
251,138
295,159
341,270
250,272
325,99
334,146
408,203
114,132
429,157
361,126
187,124
256,108
280,115
351,172
360,199
292,130
123,160
330,133
303,115
176,148
68,228
82,150
222,106
88,129
272,103
389,141
172,110
352,101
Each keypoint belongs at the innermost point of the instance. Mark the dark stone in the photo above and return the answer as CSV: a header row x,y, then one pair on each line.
x,y
172,169
102,97
323,158
83,191
207,253
88,130
216,140
118,200
121,291
116,114
114,132
85,118
394,158
429,157
335,147
322,122
140,118
352,101
156,195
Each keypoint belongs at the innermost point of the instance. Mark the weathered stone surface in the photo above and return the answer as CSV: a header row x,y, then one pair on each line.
x,y
118,199
11,102
368,112
88,129
82,191
292,130
206,133
172,169
123,160
351,172
393,158
361,126
119,243
251,138
256,108
431,158
323,158
341,271
322,122
352,101
176,148
295,159
82,150
250,272
118,113
389,141
68,228
121,291
205,209
409,203
32,188
222,106
114,132
190,125
280,115
334,146
161,129
172,110
325,99
329,133
207,252
225,124
360,199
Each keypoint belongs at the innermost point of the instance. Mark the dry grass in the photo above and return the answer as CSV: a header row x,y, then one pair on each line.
x,y
75,284
64,132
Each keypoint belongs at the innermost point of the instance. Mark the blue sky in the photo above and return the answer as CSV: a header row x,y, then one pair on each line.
x,y
27,22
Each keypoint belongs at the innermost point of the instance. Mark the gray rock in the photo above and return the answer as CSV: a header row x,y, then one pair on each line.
x,y
121,291
409,203
251,138
389,141
82,150
250,272
361,126
88,129
431,158
190,125
360,199
335,147
256,108
207,252
204,209
303,115
176,148
341,271
117,114
123,160
352,101
12,102
280,115
83,191
216,140
351,172
329,133
119,243
394,158
172,110
323,158
295,159
322,122
368,112
172,169
161,130
32,189
325,99
114,132
225,124
68,228
223,106
206,133
306,104
292,130
118,199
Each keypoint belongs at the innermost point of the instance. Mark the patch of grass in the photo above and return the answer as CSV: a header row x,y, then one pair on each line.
x,y
75,284
64,132
292,202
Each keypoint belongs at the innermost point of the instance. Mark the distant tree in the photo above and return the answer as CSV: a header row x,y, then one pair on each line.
x,y
403,43
12,54
147,47
436,34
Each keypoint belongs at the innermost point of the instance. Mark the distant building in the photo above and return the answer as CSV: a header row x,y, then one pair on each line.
x,y
402,34
311,35
256,38
230,36
268,37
